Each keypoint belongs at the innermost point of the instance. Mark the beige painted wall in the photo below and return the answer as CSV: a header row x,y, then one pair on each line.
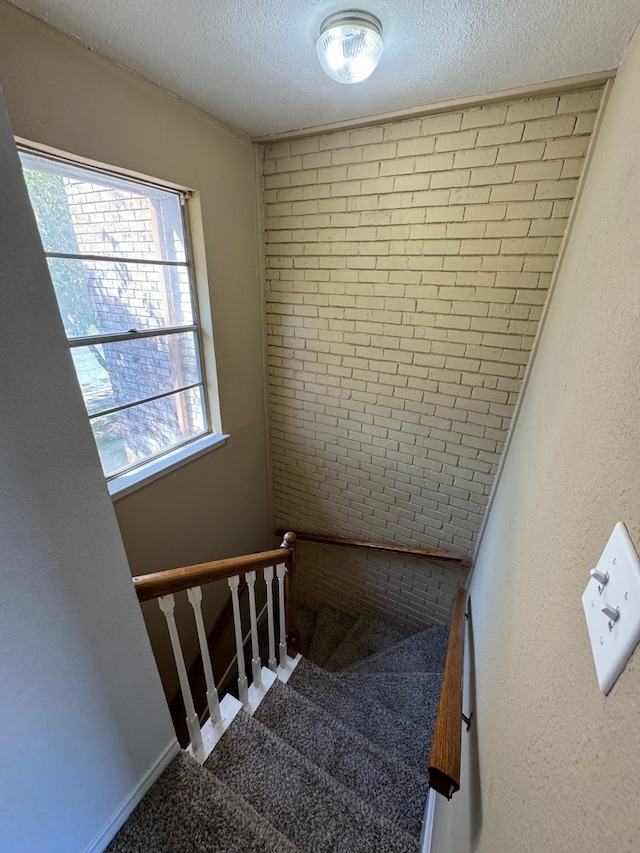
x,y
553,764
63,95
407,265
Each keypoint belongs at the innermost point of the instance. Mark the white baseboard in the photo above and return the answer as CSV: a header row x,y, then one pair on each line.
x,y
134,797
427,822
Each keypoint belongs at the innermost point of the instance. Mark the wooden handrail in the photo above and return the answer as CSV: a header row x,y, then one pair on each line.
x,y
446,747
157,584
391,548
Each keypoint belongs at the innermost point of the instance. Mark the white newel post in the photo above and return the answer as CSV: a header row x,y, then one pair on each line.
x,y
195,597
243,690
256,664
268,579
280,572
167,605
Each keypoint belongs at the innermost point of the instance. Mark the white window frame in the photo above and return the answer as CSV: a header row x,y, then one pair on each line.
x,y
140,474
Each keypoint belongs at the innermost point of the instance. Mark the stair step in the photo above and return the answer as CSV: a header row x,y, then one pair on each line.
x,y
370,634
190,811
315,811
331,627
424,652
395,790
416,693
394,733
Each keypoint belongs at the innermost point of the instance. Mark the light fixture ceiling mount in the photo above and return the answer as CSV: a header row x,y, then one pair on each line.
x,y
350,45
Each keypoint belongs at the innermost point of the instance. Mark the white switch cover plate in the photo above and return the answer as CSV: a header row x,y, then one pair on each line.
x,y
613,642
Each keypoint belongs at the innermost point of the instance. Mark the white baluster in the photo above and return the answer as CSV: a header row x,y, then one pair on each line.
x,y
195,597
243,690
268,579
280,572
167,605
256,664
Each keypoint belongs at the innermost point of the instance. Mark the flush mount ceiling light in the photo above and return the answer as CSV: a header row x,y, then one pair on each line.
x,y
350,46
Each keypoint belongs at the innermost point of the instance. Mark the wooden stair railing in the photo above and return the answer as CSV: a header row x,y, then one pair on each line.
x,y
446,746
163,586
363,544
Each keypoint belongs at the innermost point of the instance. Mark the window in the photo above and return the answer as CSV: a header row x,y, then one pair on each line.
x,y
118,254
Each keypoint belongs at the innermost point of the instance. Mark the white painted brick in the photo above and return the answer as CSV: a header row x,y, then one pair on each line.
x,y
384,151
484,116
585,123
365,136
485,212
416,146
492,175
434,162
458,178
446,123
456,141
513,192
510,228
532,109
549,128
561,148
557,189
500,135
475,157
521,152
580,102
403,130
405,279
572,168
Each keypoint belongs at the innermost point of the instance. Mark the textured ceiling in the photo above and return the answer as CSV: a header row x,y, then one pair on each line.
x,y
252,63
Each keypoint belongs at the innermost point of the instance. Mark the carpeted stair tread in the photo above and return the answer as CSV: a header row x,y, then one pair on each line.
x,y
424,652
370,634
390,730
189,811
316,812
395,790
416,693
331,626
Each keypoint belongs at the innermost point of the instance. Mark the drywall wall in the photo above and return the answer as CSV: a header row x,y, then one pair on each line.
x,y
552,764
82,714
65,96
407,266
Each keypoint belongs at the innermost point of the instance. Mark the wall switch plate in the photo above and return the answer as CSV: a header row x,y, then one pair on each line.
x,y
612,608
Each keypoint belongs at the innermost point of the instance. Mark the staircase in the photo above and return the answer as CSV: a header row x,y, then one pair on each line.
x,y
334,760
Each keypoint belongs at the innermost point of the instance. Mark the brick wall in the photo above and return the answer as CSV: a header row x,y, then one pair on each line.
x,y
407,268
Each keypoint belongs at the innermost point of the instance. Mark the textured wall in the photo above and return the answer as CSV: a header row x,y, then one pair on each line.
x,y
407,266
553,764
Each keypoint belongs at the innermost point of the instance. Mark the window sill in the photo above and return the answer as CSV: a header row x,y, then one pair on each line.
x,y
126,483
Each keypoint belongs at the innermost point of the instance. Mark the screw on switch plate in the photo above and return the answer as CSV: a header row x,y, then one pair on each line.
x,y
611,605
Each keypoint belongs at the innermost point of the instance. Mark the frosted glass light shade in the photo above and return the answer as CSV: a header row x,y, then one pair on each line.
x,y
350,46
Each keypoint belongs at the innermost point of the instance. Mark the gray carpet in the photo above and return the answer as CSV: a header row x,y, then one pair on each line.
x,y
390,731
331,628
333,762
190,811
299,796
368,635
424,652
394,789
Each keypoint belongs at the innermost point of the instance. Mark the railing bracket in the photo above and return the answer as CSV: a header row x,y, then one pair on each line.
x,y
468,720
